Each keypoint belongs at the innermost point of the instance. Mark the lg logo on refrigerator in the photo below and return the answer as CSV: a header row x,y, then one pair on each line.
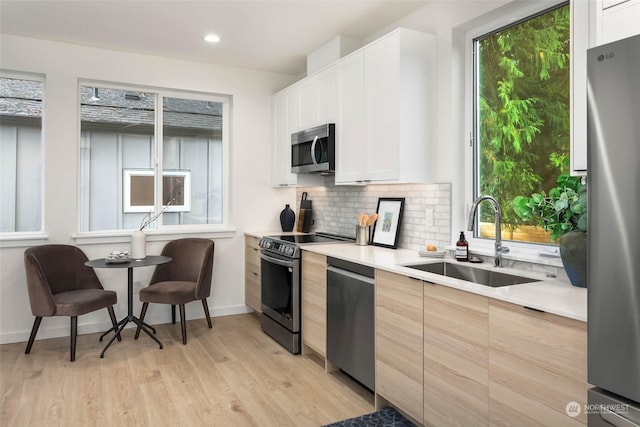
x,y
605,56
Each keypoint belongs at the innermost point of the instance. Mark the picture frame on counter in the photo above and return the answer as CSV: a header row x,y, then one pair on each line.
x,y
387,228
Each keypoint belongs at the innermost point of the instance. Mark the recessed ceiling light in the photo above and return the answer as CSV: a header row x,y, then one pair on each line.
x,y
212,38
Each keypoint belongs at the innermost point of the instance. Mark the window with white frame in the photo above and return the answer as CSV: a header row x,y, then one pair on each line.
x,y
121,184
21,148
521,116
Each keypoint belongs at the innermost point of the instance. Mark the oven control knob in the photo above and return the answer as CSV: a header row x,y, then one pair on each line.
x,y
289,251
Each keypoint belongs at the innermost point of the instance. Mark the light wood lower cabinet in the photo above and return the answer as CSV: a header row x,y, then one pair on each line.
x,y
537,367
252,273
399,342
314,302
456,357
446,357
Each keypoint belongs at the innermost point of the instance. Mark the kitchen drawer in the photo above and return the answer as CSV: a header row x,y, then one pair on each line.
x,y
252,286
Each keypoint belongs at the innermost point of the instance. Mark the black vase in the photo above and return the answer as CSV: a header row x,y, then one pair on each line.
x,y
287,218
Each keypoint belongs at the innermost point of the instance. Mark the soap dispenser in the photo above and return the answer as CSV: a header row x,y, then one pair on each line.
x,y
462,248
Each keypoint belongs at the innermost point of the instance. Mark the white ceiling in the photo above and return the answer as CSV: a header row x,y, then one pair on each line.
x,y
265,35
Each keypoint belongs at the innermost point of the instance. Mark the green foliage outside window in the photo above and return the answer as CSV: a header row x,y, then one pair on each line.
x,y
523,126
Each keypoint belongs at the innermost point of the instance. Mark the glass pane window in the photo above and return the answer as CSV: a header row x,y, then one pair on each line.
x,y
120,185
21,168
192,145
521,117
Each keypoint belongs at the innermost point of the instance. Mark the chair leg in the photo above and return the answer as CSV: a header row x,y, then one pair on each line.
x,y
114,322
143,313
206,312
34,331
183,324
173,314
74,334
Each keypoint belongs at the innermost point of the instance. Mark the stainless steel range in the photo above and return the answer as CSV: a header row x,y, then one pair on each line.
x,y
281,273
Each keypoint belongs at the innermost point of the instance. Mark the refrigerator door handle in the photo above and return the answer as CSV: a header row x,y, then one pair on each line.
x,y
615,419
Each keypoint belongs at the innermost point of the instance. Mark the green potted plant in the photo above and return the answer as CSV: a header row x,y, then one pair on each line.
x,y
563,212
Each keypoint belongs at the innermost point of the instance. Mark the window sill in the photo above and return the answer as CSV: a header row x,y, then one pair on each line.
x,y
543,255
17,240
122,236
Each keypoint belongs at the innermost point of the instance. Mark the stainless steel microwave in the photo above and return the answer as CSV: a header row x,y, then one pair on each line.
x,y
313,150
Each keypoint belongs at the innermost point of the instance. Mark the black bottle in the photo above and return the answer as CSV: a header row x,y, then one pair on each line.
x,y
462,248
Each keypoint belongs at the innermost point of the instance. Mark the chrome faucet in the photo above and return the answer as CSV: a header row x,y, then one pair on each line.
x,y
498,218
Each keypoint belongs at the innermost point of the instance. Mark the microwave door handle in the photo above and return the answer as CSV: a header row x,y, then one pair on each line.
x,y
313,150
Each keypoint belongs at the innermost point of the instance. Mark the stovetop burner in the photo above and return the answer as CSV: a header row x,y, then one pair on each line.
x,y
311,238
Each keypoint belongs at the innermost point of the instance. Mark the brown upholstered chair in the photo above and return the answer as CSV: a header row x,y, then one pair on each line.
x,y
186,278
59,284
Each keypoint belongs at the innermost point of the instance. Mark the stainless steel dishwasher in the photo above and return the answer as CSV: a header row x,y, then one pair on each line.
x,y
350,319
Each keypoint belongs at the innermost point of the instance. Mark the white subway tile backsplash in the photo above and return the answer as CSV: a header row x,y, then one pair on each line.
x,y
336,208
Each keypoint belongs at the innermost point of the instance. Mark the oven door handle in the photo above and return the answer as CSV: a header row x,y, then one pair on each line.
x,y
276,260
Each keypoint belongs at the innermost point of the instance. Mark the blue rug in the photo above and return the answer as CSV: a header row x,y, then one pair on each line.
x,y
386,417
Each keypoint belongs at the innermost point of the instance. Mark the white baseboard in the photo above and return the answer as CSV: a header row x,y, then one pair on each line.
x,y
155,316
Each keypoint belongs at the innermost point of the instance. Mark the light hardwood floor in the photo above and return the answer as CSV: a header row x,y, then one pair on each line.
x,y
231,375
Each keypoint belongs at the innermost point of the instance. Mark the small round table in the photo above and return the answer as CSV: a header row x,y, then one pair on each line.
x,y
129,265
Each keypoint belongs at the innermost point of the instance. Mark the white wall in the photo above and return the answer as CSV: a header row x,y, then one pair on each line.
x,y
255,205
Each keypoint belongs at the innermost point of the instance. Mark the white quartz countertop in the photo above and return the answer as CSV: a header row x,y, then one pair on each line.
x,y
552,295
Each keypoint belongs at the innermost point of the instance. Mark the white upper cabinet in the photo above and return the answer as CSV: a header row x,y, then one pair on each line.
x,y
386,99
620,19
580,42
316,100
382,100
614,20
350,127
281,175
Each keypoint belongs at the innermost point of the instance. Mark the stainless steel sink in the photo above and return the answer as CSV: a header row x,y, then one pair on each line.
x,y
472,274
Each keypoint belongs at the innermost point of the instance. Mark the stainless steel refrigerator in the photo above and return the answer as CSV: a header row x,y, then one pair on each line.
x,y
614,233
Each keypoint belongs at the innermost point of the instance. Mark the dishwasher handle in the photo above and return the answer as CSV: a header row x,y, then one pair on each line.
x,y
352,275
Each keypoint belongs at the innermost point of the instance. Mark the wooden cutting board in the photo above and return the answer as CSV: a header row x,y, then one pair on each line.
x,y
304,214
